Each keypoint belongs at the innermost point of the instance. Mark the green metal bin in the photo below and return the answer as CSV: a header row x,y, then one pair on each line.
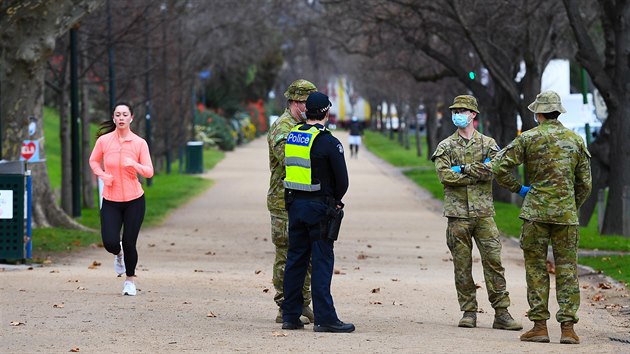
x,y
194,157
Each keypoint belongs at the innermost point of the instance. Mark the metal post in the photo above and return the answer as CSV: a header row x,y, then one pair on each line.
x,y
587,131
626,211
29,214
74,125
147,85
601,209
110,58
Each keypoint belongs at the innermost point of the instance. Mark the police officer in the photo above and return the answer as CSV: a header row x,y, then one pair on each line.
x,y
354,140
462,162
316,181
558,166
296,95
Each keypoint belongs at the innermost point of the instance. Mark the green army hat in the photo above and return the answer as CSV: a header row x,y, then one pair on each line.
x,y
547,101
465,101
299,90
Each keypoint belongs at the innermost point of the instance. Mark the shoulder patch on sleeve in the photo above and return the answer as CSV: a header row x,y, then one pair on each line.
x,y
279,137
340,147
439,151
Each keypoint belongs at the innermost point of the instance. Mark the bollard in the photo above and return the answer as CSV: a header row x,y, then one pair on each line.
x,y
625,207
601,209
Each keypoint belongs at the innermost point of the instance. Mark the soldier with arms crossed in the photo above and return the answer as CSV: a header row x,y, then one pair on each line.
x,y
462,162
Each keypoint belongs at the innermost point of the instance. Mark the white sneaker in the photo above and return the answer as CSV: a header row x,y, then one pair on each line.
x,y
129,288
119,263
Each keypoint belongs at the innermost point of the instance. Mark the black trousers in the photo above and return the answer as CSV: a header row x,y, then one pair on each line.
x,y
127,216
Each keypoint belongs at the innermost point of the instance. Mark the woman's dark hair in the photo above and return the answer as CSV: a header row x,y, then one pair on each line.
x,y
551,115
109,126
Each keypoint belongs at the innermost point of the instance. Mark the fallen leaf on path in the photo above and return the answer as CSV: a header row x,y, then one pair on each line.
x,y
47,261
337,271
265,290
376,303
376,290
172,243
613,306
81,288
357,268
369,246
187,303
54,271
258,271
394,279
396,303
73,280
210,314
265,239
279,334
585,286
598,297
17,323
362,256
210,253
198,270
94,265
151,245
447,259
59,306
605,286
74,350
477,286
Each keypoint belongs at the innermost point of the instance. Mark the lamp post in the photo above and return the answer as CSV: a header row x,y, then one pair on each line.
x,y
147,85
163,9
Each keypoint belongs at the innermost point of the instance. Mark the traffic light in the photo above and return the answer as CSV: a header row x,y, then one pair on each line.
x,y
471,75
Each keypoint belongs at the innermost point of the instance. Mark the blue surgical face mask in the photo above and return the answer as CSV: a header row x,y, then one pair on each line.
x,y
460,120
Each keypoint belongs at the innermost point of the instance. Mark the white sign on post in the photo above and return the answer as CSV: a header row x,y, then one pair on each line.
x,y
6,204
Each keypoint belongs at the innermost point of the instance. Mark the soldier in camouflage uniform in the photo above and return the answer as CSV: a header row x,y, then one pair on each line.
x,y
463,165
558,166
296,95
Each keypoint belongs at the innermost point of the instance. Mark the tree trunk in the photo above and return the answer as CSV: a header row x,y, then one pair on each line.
x,y
88,179
432,126
27,38
65,139
619,165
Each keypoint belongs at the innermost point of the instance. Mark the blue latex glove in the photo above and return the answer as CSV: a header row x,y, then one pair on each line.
x,y
457,169
486,160
524,190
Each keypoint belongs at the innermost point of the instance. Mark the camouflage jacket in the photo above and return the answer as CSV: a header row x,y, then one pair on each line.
x,y
558,166
276,138
467,194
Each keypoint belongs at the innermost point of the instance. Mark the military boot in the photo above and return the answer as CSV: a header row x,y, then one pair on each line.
x,y
303,318
537,334
308,313
568,335
503,320
469,320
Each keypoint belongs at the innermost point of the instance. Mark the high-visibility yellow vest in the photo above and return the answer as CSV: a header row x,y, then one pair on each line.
x,y
297,159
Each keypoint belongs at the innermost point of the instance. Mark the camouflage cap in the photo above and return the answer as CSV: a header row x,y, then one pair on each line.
x,y
465,101
299,90
547,101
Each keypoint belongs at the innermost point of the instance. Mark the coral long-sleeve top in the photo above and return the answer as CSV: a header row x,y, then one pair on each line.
x,y
110,152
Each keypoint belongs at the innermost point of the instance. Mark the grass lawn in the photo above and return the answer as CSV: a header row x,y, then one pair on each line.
x,y
422,172
167,193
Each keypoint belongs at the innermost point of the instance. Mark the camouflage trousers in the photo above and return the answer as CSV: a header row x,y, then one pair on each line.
x,y
535,238
459,238
280,238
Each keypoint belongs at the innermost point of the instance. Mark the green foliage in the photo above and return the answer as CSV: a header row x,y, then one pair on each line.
x,y
614,266
215,130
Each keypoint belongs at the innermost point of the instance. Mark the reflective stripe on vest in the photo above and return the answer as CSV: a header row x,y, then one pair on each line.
x,y
297,160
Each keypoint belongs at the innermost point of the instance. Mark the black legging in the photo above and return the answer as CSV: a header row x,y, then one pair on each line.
x,y
115,215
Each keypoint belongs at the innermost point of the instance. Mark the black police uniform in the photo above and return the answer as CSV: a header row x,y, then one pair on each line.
x,y
307,235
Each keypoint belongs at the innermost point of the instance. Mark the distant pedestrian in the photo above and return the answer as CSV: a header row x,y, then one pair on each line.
x,y
462,162
557,164
118,157
316,181
356,131
296,95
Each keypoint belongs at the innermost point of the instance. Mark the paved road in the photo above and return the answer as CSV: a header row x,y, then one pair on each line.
x,y
205,281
